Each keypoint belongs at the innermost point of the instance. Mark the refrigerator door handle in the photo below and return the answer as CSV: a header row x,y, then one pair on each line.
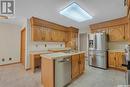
x,y
95,42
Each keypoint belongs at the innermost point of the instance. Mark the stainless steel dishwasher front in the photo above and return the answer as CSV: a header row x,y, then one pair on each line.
x,y
62,71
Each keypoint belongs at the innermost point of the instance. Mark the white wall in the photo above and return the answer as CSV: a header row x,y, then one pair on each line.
x,y
83,42
9,43
83,39
40,46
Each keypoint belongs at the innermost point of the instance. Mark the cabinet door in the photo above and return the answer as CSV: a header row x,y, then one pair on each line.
x,y
62,36
48,34
43,31
36,33
82,63
120,60
127,33
66,36
111,59
75,66
54,37
117,33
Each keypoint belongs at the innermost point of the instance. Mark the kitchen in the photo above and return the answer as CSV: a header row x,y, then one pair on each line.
x,y
53,52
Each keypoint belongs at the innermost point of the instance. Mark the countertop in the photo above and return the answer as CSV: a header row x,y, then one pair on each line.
x,y
60,55
40,52
58,49
116,50
48,51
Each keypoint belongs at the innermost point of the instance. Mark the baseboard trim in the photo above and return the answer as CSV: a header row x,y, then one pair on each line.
x,y
10,64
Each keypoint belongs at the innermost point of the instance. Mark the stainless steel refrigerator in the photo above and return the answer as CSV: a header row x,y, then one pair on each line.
x,y
97,50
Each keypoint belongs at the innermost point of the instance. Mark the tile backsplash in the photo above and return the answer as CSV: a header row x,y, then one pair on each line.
x,y
117,45
40,46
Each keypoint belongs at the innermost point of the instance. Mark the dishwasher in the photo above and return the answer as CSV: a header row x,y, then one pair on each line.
x,y
62,71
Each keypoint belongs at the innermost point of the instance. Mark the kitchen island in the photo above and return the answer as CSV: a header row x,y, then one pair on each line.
x,y
60,69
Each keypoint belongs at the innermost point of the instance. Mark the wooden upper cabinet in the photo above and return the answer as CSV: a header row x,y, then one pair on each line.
x,y
43,30
127,33
117,33
58,35
116,29
36,33
66,37
48,34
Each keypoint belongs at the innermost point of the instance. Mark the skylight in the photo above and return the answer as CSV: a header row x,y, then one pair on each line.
x,y
75,12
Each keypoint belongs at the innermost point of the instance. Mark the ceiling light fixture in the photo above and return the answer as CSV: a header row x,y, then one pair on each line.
x,y
75,12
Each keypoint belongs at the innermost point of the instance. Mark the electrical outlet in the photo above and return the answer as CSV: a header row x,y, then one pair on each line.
x,y
10,58
36,45
45,45
3,59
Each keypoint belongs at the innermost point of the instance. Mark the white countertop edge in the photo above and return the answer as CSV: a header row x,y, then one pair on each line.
x,y
67,55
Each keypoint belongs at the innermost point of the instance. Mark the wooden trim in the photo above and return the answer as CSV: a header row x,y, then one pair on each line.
x,y
113,68
43,23
24,29
10,64
115,22
73,29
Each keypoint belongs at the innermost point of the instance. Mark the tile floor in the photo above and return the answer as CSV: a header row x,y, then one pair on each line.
x,y
16,76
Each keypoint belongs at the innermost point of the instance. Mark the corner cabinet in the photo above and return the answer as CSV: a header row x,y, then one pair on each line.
x,y
115,60
78,65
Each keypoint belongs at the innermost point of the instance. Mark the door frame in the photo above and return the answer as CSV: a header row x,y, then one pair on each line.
x,y
24,29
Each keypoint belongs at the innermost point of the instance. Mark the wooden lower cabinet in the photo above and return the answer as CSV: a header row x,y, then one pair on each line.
x,y
82,63
115,60
75,66
47,72
111,59
35,61
48,69
78,65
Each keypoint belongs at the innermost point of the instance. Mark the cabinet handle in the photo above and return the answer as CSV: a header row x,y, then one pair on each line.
x,y
124,37
114,58
79,62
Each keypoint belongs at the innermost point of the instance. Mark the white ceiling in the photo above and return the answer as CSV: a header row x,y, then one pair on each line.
x,y
101,10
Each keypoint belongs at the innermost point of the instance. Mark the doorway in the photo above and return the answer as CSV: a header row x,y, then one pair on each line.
x,y
83,42
23,45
